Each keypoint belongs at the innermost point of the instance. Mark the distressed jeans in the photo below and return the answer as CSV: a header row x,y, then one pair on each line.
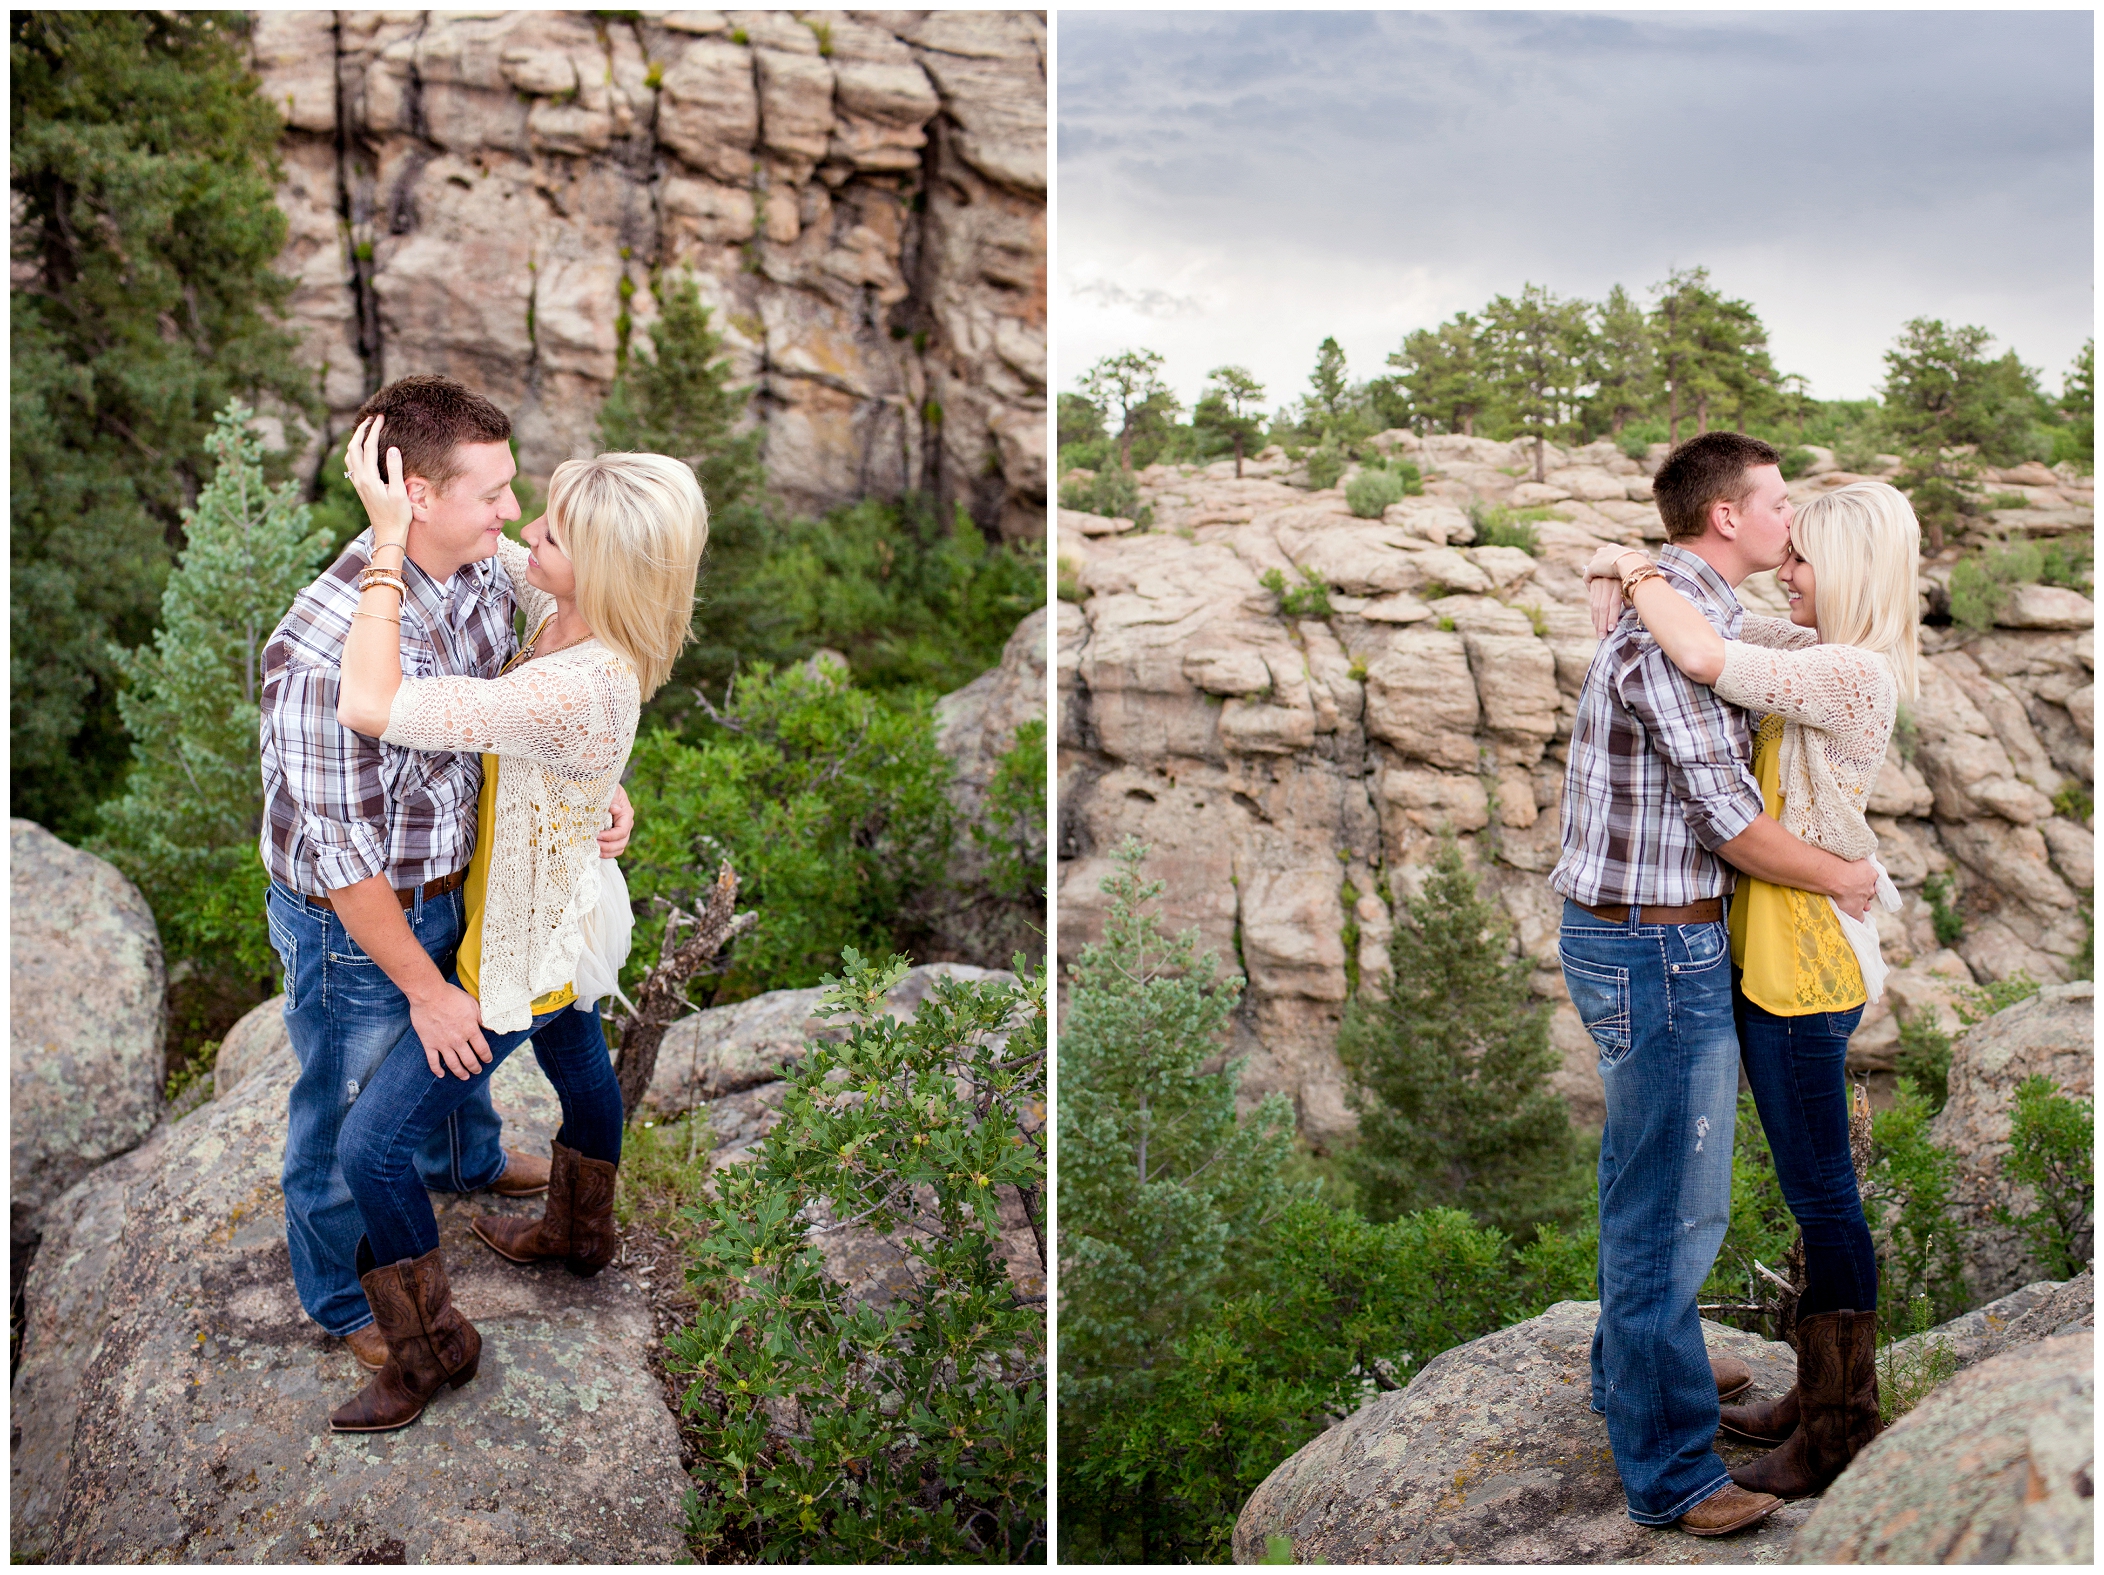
x,y
344,1015
1657,1000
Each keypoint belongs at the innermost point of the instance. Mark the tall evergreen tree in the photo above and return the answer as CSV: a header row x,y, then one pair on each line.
x,y
1685,329
2078,403
187,825
1537,349
1160,1181
1129,386
1624,370
1943,397
1442,371
1329,393
142,169
1449,1071
1230,409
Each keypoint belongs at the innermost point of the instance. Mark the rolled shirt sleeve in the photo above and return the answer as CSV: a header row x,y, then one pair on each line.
x,y
331,775
1693,734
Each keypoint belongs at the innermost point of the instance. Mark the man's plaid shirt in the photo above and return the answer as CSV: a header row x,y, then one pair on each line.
x,y
338,807
1659,773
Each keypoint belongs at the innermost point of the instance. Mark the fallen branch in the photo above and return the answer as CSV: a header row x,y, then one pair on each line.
x,y
661,1000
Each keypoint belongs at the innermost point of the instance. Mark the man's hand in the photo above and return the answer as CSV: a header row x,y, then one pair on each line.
x,y
613,842
449,1022
1855,887
1767,852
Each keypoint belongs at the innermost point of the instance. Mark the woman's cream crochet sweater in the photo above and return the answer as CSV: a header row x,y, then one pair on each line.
x,y
563,725
1837,703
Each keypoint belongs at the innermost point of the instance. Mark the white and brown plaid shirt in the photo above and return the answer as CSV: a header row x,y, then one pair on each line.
x,y
1659,775
339,807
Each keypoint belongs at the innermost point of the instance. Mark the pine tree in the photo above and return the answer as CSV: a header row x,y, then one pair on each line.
x,y
2078,403
1624,368
1441,369
1449,1073
1537,349
1229,409
142,168
187,826
1129,386
1945,403
1160,1183
1681,325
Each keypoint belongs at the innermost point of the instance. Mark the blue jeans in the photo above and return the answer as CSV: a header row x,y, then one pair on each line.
x,y
1798,1069
405,1104
344,1015
1657,1000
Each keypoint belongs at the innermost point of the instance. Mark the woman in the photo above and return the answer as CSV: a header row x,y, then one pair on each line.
x,y
606,583
1826,686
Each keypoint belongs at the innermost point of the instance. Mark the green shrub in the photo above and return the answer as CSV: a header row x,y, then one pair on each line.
x,y
1070,586
1498,526
1325,465
1906,1376
2050,1138
1012,829
915,1432
1309,599
1449,1073
827,800
1372,491
1907,1202
1796,461
2069,561
2008,500
1925,1057
1111,492
1338,1310
1980,585
1943,912
1976,1003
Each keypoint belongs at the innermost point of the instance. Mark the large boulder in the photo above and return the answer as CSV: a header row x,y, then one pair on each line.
x,y
1995,1467
258,1039
172,1402
2054,1034
85,1018
1493,1455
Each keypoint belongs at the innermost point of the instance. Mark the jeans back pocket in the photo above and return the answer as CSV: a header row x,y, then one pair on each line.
x,y
1601,995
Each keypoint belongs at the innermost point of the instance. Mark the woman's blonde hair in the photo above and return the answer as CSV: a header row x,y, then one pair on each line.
x,y
634,526
1864,546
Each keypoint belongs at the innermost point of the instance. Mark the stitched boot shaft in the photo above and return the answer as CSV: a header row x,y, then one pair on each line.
x,y
429,1343
577,1224
1837,1399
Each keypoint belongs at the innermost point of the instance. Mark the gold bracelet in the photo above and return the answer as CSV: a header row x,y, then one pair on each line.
x,y
381,617
401,547
1649,571
369,578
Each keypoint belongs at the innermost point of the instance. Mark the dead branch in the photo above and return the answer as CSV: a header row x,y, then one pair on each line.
x,y
662,998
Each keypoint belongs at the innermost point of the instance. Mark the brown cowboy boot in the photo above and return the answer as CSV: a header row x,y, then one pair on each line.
x,y
577,1225
1733,1377
1837,1389
1768,1422
429,1343
1731,1508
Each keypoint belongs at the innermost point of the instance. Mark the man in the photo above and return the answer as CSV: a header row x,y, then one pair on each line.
x,y
1659,807
368,845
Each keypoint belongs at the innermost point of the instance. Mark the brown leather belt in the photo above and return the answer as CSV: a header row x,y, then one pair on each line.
x,y
1710,910
432,888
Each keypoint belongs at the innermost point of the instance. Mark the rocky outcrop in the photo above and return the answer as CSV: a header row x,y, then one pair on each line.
x,y
1291,771
1493,1455
172,1403
85,1020
1995,1467
257,1040
860,196
2053,1034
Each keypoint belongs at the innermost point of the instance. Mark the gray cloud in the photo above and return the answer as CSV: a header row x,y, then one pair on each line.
x,y
1147,303
1363,173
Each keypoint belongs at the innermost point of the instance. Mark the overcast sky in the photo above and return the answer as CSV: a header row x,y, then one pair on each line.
x,y
1233,185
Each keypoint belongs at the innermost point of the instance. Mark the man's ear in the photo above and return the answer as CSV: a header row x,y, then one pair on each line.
x,y
419,491
1724,518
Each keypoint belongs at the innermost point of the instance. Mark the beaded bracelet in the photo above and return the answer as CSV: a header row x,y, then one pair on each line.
x,y
390,578
1649,571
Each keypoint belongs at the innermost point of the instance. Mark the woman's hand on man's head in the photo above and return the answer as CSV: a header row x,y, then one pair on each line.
x,y
386,502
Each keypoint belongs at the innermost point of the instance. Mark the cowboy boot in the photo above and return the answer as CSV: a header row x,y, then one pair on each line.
x,y
1837,1389
1733,1377
429,1343
1768,1422
577,1225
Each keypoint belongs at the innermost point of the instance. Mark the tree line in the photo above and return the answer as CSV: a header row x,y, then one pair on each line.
x,y
1548,369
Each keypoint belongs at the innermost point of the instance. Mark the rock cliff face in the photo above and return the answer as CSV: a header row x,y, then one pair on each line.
x,y
1293,770
860,195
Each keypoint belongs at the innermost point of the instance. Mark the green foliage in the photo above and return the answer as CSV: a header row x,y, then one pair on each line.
x,y
1309,599
915,1431
1623,365
1338,1311
1906,1375
1981,583
1161,1184
2069,561
1443,375
1012,830
1372,491
1229,410
1070,586
1113,493
187,824
664,1171
1796,461
1945,401
1924,1057
2076,442
2050,1151
1907,1202
1977,1003
1499,526
2074,801
1940,890
1712,357
1449,1073
1325,466
1906,732
1536,350
1762,1227
827,800
143,170
1080,421
1128,385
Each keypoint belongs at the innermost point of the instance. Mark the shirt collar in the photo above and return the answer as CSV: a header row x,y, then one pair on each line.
x,y
1707,579
473,580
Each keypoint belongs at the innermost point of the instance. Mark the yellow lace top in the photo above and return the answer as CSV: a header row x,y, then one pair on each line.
x,y
1788,943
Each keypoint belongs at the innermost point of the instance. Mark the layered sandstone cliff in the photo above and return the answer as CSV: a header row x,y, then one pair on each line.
x,y
1293,773
860,196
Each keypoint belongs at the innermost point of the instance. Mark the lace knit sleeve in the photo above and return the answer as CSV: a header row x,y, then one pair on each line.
x,y
1839,689
575,716
1776,634
532,601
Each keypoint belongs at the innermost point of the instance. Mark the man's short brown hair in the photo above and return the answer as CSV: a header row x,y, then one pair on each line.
x,y
428,417
1702,471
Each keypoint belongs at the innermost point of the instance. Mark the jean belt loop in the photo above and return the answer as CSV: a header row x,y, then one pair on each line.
x,y
416,906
